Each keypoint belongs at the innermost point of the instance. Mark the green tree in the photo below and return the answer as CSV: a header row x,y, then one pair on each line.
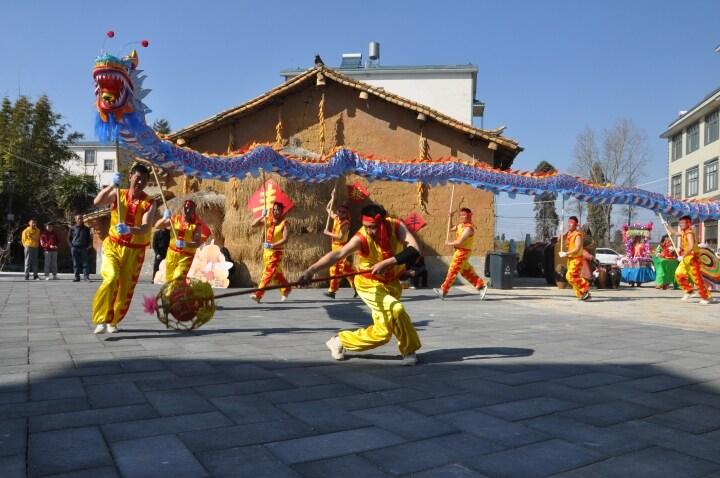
x,y
162,126
74,194
598,215
546,217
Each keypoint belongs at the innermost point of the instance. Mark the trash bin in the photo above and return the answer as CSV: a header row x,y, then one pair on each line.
x,y
502,269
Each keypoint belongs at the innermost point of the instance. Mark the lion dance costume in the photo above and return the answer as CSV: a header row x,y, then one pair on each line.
x,y
381,293
179,260
122,259
690,266
343,266
460,262
574,276
272,258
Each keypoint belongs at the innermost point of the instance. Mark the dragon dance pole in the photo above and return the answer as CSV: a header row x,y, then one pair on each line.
x,y
157,180
562,223
670,235
117,192
449,221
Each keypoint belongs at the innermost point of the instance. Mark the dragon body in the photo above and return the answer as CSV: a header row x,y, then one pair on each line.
x,y
121,116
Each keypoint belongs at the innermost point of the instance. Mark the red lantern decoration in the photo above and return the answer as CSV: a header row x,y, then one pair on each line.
x,y
110,34
145,43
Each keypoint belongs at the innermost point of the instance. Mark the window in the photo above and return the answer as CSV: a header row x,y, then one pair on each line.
x,y
676,186
712,127
89,156
710,234
108,165
676,147
691,182
710,175
692,140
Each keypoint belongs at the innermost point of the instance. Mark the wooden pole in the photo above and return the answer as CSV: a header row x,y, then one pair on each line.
x,y
117,192
262,243
331,203
450,211
670,235
157,180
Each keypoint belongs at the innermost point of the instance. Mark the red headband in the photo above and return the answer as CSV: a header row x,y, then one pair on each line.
x,y
376,219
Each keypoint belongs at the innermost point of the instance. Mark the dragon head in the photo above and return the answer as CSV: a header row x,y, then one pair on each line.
x,y
117,94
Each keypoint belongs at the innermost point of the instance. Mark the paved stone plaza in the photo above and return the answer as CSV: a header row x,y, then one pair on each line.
x,y
529,383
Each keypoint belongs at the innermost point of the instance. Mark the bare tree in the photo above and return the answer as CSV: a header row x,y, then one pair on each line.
x,y
619,158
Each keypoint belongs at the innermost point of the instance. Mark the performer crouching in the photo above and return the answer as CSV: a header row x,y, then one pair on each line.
x,y
188,230
384,247
574,254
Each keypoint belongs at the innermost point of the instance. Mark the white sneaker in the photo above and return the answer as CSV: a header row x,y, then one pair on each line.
x,y
100,329
111,329
694,295
409,360
255,298
336,348
440,293
685,297
47,278
283,298
483,291
705,301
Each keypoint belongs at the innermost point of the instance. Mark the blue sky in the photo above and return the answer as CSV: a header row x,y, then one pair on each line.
x,y
547,70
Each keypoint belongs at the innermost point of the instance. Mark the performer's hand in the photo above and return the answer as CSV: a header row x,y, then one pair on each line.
x,y
562,254
116,178
680,258
381,266
167,214
306,277
264,212
122,228
448,243
267,245
179,243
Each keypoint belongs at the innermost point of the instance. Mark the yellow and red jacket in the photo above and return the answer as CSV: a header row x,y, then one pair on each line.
x,y
467,244
371,253
132,212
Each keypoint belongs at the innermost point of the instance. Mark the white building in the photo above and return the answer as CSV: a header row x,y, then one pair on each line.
x,y
693,152
94,159
449,89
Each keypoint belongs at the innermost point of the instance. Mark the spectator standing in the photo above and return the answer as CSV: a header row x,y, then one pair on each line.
x,y
80,242
49,242
160,244
31,242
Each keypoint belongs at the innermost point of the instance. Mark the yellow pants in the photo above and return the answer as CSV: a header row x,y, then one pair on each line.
x,y
574,276
389,318
120,272
177,265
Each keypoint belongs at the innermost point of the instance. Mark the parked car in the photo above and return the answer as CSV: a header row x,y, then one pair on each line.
x,y
605,255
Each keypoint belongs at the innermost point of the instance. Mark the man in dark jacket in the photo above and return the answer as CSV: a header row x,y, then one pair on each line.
x,y
80,242
160,244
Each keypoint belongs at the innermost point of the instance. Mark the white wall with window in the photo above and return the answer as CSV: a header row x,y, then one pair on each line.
x,y
94,159
693,151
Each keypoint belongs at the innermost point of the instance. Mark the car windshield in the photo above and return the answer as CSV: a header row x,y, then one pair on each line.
x,y
606,251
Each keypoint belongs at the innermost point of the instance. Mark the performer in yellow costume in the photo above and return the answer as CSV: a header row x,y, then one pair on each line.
x,y
123,251
463,243
339,234
384,247
689,266
188,230
574,253
276,236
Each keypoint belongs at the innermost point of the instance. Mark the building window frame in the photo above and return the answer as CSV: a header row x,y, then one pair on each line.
x,y
676,186
712,127
692,138
710,175
676,150
108,165
90,157
692,179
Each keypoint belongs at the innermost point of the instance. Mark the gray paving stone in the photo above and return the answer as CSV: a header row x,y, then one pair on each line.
x,y
536,460
104,472
13,435
310,393
406,423
28,409
590,380
650,462
449,471
332,444
658,383
12,466
243,435
348,466
114,394
128,430
248,409
253,461
83,418
386,397
178,402
532,407
57,389
609,413
695,419
156,456
324,417
494,429
63,451
249,387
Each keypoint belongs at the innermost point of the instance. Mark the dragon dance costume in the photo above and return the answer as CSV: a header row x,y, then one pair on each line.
x,y
179,260
381,293
690,266
574,276
461,260
122,259
343,266
272,258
